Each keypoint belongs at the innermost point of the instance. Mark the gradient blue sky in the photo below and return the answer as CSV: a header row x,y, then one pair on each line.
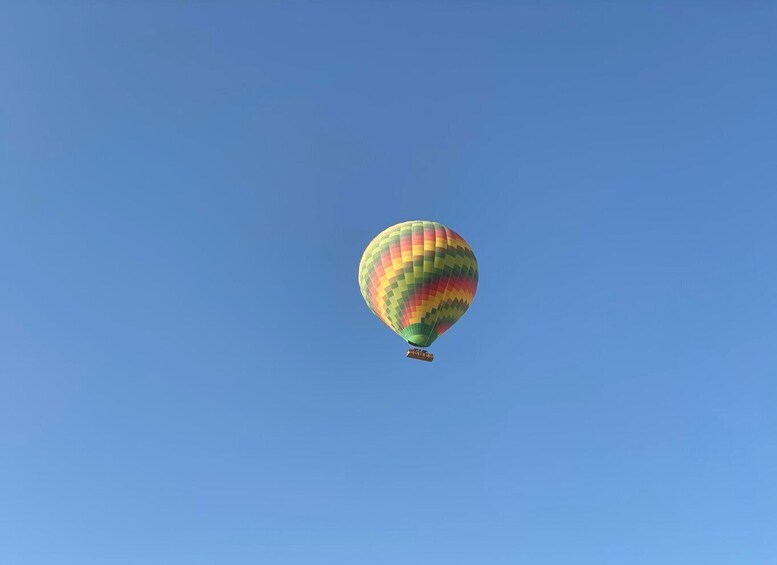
x,y
189,376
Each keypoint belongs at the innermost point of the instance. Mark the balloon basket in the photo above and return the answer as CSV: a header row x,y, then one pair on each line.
x,y
420,354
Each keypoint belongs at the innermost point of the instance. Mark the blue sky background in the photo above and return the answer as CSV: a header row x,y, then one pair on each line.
x,y
188,374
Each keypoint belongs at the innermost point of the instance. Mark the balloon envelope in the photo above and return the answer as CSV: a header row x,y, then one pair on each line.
x,y
419,278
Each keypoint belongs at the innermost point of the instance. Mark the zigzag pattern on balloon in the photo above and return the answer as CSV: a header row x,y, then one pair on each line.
x,y
419,278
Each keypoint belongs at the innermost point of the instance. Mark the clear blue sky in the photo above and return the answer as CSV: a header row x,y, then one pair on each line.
x,y
189,375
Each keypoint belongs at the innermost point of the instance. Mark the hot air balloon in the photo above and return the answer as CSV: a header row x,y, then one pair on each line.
x,y
419,278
